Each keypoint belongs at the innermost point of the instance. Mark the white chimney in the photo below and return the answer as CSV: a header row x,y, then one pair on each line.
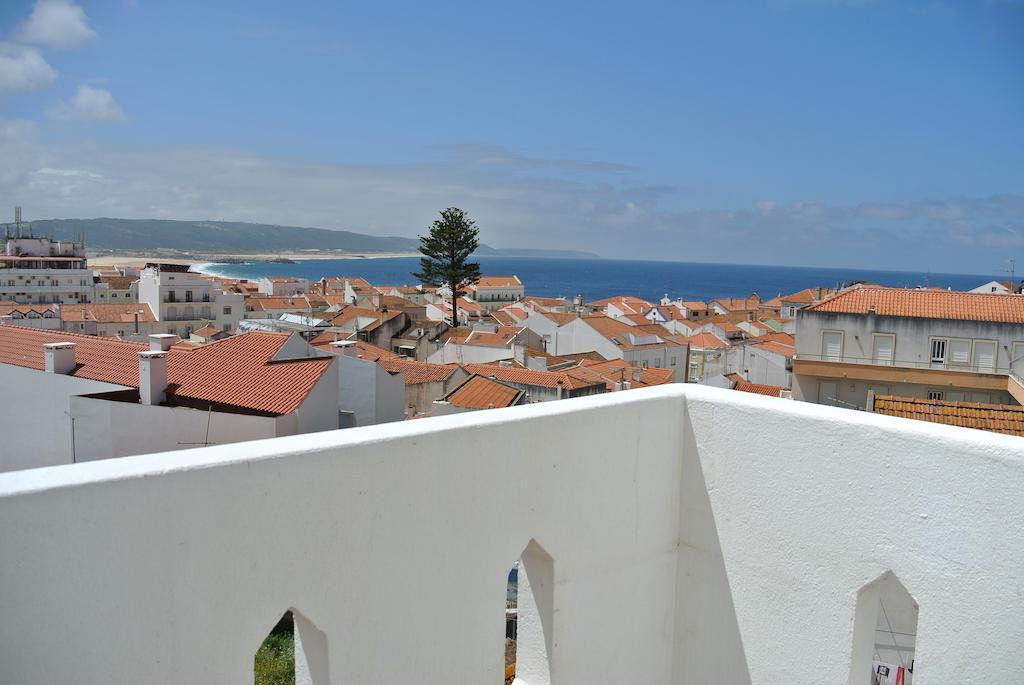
x,y
59,357
152,376
345,348
161,342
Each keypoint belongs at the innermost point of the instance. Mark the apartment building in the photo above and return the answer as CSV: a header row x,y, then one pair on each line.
x,y
37,270
929,344
494,292
283,287
184,301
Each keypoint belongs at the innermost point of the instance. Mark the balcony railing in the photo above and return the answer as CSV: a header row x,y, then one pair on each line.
x,y
673,535
904,363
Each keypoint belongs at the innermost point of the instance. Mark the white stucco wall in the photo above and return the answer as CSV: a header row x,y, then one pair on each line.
x,y
372,394
105,428
695,536
35,419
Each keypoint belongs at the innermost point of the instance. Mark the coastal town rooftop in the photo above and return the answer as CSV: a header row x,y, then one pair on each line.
x,y
677,534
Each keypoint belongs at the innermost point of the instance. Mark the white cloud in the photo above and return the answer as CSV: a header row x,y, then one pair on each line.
x,y
515,205
56,24
92,104
23,69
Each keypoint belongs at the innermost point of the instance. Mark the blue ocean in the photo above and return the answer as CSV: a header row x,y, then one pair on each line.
x,y
599,278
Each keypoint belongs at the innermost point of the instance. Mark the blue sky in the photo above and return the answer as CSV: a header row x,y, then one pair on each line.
x,y
873,134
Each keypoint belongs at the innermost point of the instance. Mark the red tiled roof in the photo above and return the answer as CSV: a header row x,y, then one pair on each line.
x,y
706,341
927,304
775,347
416,372
738,303
998,418
206,331
498,282
100,359
757,388
236,371
612,370
500,338
108,313
545,379
479,392
619,332
239,371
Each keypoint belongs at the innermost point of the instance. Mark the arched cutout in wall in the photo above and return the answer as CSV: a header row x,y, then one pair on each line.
x,y
295,651
529,611
884,633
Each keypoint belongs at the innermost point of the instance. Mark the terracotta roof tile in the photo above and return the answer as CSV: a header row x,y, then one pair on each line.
x,y
415,372
739,383
100,359
236,371
498,282
545,379
927,304
240,371
998,418
479,392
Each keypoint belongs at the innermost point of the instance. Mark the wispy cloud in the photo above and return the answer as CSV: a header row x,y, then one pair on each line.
x,y
55,24
23,69
515,204
90,104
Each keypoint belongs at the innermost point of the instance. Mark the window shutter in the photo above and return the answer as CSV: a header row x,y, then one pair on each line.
x,y
832,346
883,350
959,352
985,356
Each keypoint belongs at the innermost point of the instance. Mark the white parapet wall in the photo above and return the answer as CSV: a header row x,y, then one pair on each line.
x,y
674,535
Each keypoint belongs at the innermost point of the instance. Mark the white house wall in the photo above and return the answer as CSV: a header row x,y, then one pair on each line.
x,y
105,428
35,418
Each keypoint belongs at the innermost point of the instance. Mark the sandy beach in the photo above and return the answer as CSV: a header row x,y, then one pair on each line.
x,y
136,260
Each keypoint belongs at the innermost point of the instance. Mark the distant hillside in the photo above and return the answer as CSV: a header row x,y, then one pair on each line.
x,y
234,237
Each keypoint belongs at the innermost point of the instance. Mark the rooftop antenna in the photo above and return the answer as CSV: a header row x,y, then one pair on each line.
x,y
17,220
1011,269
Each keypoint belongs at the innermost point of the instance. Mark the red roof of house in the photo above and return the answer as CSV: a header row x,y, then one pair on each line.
x,y
108,313
237,371
545,379
479,392
100,359
240,371
926,304
416,372
611,371
998,418
499,338
498,282
739,383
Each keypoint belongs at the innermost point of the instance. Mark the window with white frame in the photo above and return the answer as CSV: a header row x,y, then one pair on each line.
x,y
938,352
984,356
832,346
958,352
883,348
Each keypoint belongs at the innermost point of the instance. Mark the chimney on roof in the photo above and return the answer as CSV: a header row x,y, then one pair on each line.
x,y
559,388
345,348
152,376
161,342
59,357
872,310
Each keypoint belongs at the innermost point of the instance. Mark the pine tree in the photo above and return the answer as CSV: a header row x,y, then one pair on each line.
x,y
452,239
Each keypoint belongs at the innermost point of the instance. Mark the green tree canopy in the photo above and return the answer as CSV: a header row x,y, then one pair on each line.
x,y
446,248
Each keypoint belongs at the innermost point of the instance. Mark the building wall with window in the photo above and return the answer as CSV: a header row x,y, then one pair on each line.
x,y
881,346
